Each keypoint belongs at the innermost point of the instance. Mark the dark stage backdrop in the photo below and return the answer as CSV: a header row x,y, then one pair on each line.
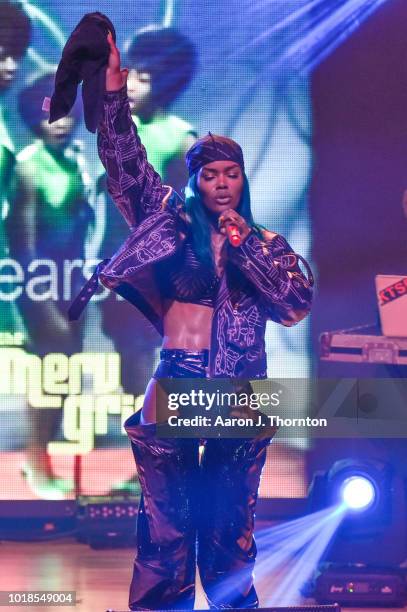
x,y
359,227
359,97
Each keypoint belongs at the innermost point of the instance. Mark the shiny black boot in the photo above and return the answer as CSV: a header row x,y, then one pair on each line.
x,y
230,476
164,567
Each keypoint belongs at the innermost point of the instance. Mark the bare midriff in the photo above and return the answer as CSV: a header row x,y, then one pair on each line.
x,y
186,326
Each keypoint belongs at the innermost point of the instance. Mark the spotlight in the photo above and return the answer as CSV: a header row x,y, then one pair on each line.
x,y
358,493
373,498
359,488
362,564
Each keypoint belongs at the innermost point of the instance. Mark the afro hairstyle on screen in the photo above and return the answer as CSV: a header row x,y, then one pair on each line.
x,y
15,29
168,56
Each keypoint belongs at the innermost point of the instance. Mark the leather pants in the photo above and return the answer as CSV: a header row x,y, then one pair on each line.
x,y
194,512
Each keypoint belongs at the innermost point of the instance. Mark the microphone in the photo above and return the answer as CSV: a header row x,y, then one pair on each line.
x,y
233,234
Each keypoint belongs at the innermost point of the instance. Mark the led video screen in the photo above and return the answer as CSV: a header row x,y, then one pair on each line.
x,y
66,387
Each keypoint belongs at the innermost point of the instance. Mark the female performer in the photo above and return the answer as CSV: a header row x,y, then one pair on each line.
x,y
210,300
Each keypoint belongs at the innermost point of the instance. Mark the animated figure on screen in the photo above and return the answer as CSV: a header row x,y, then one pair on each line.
x,y
15,32
208,278
162,62
49,219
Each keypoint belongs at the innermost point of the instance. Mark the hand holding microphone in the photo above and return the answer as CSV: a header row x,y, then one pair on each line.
x,y
233,234
234,226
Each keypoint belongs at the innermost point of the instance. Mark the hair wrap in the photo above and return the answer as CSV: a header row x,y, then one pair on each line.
x,y
212,148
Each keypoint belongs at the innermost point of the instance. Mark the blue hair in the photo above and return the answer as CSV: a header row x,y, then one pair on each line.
x,y
201,229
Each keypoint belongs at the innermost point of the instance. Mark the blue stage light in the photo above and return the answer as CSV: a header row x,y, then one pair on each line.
x,y
358,493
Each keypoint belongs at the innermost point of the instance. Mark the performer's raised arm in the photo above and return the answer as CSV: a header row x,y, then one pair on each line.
x,y
134,185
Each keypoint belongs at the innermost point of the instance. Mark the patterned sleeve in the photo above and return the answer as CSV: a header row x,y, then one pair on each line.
x,y
134,185
273,268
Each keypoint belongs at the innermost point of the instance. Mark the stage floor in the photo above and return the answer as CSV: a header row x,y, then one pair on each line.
x,y
100,578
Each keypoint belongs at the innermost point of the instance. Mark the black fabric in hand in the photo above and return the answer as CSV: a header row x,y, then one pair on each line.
x,y
84,58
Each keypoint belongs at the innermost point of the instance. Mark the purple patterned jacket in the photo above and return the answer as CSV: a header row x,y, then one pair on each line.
x,y
271,284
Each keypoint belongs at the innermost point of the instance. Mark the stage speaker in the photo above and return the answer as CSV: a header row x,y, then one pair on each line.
x,y
362,586
107,522
36,520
